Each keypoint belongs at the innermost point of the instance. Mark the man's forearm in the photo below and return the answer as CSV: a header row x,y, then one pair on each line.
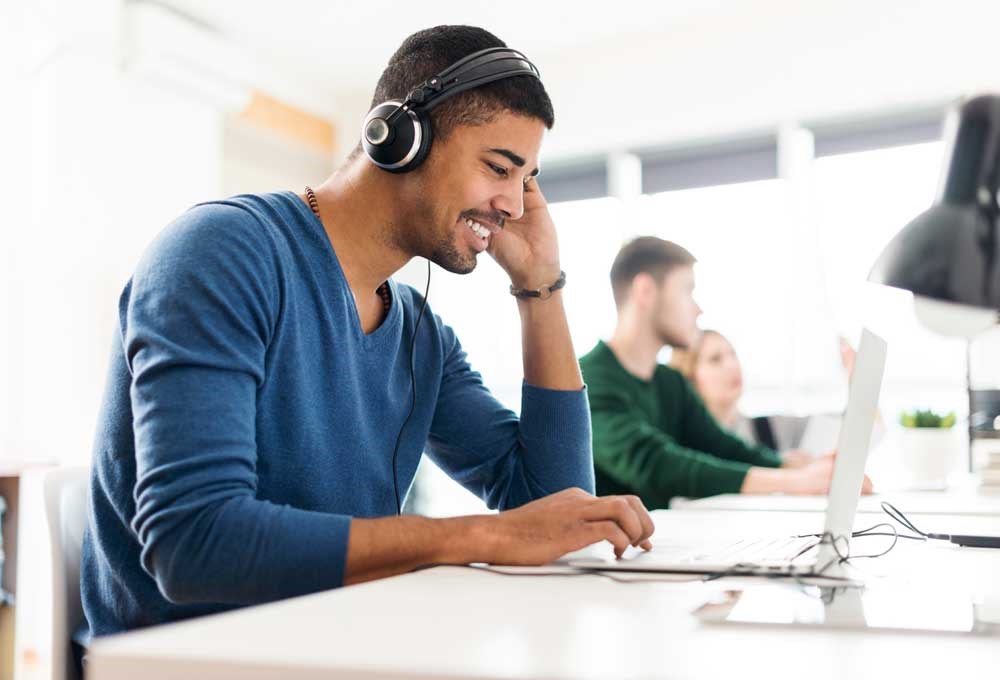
x,y
388,546
533,534
546,345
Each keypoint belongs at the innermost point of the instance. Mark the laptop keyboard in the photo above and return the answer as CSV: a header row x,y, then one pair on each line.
x,y
762,551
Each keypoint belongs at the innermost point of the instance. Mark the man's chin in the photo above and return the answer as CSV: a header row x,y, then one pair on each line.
x,y
449,259
679,341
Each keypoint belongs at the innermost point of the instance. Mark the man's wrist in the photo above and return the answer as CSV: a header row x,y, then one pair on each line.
x,y
536,277
464,540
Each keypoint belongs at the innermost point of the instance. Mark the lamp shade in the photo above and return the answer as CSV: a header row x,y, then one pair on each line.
x,y
950,253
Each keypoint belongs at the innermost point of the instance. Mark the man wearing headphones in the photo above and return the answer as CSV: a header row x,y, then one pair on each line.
x,y
272,389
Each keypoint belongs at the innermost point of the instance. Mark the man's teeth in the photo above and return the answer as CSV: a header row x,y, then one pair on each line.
x,y
478,229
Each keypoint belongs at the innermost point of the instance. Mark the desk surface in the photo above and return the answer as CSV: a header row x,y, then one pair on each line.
x,y
455,622
957,501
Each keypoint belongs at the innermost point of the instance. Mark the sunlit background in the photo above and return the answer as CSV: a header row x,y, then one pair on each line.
x,y
782,142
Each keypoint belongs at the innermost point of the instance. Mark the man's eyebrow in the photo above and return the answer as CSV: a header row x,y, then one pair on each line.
x,y
513,158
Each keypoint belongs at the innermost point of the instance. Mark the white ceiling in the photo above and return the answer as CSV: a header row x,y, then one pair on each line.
x,y
703,69
345,43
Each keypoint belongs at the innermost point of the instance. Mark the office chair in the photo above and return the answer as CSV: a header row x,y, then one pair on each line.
x,y
65,491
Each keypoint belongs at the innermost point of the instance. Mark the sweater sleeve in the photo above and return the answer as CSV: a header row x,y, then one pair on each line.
x,y
702,432
505,460
196,322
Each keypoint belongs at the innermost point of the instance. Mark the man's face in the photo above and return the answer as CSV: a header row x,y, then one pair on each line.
x,y
675,313
476,174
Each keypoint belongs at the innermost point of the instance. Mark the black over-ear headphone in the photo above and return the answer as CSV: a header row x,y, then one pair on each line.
x,y
397,136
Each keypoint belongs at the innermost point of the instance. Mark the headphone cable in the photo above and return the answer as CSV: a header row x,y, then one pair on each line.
x,y
413,390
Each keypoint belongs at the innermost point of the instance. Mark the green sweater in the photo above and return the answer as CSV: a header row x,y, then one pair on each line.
x,y
656,439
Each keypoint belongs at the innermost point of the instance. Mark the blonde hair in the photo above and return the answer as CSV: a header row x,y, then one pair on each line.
x,y
684,360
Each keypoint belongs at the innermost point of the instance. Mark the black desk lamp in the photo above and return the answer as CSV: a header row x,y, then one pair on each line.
x,y
949,256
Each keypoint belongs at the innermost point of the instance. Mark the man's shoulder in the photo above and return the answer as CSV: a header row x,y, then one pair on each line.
x,y
212,222
596,359
603,374
669,374
248,226
670,381
221,241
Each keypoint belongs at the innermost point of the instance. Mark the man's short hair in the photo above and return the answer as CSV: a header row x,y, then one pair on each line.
x,y
645,255
426,53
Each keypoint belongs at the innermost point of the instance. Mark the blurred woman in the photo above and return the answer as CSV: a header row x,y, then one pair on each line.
x,y
712,366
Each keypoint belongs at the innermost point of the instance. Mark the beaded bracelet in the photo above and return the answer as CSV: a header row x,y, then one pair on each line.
x,y
543,293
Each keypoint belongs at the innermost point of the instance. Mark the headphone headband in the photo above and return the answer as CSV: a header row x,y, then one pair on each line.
x,y
477,69
397,145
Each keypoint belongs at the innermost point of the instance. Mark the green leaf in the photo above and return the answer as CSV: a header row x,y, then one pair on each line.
x,y
928,418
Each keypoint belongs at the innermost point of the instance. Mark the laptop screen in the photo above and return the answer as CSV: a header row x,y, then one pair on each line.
x,y
855,438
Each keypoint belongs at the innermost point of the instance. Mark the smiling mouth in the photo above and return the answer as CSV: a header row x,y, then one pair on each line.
x,y
481,230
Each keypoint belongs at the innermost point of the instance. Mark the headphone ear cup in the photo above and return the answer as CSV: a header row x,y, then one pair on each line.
x,y
401,145
426,140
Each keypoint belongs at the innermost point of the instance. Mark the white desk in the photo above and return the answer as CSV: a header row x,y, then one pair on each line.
x,y
965,500
454,622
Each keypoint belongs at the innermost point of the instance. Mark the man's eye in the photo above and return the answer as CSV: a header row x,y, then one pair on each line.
x,y
502,172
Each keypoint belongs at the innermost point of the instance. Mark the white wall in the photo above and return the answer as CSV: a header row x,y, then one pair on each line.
x,y
14,120
256,160
113,159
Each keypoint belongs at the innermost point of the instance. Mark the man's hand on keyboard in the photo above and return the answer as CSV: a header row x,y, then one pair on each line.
x,y
546,529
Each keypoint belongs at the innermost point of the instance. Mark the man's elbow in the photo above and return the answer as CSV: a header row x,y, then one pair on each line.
x,y
173,575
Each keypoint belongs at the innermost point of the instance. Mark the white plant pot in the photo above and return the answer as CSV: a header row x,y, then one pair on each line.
x,y
929,455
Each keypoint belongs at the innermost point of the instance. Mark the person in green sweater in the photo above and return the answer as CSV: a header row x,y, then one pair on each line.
x,y
653,436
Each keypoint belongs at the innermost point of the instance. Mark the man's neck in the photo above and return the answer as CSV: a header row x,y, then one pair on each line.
x,y
355,206
635,348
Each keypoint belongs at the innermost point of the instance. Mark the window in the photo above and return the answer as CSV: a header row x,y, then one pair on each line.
x,y
862,200
755,277
782,268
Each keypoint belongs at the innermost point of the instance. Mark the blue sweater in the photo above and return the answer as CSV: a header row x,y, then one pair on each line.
x,y
247,418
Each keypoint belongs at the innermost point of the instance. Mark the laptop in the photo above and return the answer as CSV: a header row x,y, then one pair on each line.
x,y
775,555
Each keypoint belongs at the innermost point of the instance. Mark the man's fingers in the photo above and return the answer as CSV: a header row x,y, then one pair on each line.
x,y
618,510
608,530
644,519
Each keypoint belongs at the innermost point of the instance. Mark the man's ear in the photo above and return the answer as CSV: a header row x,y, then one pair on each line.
x,y
643,289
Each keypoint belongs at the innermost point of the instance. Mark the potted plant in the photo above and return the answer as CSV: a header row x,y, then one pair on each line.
x,y
929,446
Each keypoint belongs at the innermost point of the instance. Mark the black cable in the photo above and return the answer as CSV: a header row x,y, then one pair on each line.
x,y
967,540
869,532
413,388
892,511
